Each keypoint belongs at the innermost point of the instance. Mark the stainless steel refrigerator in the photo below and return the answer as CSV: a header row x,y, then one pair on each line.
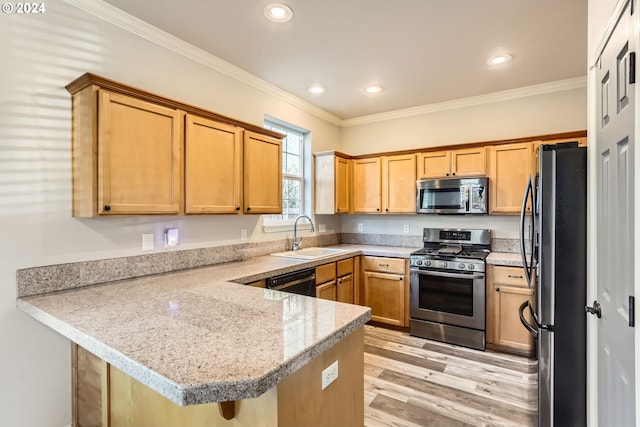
x,y
555,255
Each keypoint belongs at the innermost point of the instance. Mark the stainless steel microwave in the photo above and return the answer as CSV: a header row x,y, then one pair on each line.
x,y
452,196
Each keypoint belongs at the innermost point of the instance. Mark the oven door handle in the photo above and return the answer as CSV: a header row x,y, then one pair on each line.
x,y
451,275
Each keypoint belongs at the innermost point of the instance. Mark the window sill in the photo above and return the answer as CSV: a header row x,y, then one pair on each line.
x,y
284,226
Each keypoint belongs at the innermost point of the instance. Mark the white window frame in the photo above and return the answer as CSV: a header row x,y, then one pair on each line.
x,y
276,223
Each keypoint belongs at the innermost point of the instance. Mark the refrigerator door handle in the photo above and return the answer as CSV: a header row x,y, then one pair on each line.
x,y
533,330
528,266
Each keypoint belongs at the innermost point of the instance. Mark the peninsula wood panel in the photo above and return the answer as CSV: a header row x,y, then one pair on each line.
x,y
341,403
399,184
367,186
118,400
139,157
262,174
509,171
213,166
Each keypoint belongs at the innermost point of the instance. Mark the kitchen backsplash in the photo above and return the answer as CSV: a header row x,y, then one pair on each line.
x,y
37,280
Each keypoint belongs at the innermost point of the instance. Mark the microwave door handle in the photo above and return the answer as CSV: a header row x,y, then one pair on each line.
x,y
467,197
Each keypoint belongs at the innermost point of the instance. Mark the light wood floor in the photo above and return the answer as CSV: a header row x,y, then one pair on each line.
x,y
413,382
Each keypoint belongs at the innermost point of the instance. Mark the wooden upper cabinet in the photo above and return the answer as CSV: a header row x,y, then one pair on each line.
x,y
434,164
449,163
213,166
367,185
399,184
509,170
332,184
139,148
262,174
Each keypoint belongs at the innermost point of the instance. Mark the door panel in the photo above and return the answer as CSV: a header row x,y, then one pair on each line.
x,y
615,147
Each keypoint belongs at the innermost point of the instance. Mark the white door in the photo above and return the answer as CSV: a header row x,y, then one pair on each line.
x,y
614,201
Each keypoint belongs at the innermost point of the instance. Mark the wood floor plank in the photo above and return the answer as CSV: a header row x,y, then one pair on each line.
x,y
405,387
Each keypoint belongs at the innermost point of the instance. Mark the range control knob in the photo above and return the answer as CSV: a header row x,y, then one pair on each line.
x,y
471,266
427,263
461,265
419,262
444,263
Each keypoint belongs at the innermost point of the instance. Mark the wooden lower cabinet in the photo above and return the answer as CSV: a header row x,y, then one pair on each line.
x,y
104,396
386,289
507,289
327,291
344,289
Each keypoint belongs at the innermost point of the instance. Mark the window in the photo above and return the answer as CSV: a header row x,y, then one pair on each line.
x,y
293,182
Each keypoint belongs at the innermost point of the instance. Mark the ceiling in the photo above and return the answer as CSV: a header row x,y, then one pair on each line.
x,y
421,51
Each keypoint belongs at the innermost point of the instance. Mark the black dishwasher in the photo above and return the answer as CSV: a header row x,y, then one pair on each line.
x,y
302,282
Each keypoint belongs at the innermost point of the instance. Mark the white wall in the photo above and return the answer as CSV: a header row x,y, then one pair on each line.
x,y
40,55
540,114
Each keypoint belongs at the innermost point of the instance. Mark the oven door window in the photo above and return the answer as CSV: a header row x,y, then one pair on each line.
x,y
442,198
446,294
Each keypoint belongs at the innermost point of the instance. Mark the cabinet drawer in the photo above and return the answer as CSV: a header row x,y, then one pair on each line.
x,y
345,267
325,273
513,276
385,265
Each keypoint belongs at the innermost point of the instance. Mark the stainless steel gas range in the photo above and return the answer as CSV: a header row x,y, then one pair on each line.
x,y
448,286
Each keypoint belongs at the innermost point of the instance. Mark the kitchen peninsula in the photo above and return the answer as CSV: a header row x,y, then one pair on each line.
x,y
186,349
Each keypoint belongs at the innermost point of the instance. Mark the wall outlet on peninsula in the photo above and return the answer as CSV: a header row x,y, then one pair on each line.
x,y
330,374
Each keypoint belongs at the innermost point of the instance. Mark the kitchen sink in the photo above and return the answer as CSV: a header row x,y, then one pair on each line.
x,y
310,253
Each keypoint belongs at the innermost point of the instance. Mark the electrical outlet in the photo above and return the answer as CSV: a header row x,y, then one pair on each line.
x,y
243,234
360,228
330,374
322,228
170,237
405,228
147,242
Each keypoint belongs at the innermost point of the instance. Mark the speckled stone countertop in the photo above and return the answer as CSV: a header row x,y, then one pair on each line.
x,y
505,258
196,338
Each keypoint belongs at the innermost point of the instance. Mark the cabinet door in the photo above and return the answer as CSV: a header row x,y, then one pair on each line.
x,y
139,157
342,185
385,294
469,162
262,174
327,291
399,184
509,170
435,164
345,289
367,185
509,331
213,165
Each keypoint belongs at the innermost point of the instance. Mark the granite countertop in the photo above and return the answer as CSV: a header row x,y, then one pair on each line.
x,y
196,338
505,258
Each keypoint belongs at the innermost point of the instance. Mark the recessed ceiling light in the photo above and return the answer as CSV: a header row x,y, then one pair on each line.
x,y
373,89
316,89
278,12
500,59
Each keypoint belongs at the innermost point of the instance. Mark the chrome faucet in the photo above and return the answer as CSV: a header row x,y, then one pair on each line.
x,y
297,243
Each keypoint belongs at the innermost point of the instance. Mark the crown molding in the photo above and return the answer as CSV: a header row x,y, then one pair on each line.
x,y
136,26
506,95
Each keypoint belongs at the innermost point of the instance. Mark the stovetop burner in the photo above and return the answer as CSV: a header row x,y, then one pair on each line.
x,y
452,249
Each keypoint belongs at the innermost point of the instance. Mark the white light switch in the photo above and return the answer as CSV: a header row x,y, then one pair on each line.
x,y
171,237
360,228
243,234
147,242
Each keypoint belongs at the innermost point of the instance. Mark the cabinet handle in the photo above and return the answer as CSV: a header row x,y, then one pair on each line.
x,y
383,265
454,174
378,209
497,289
514,277
387,209
249,208
237,208
107,208
447,175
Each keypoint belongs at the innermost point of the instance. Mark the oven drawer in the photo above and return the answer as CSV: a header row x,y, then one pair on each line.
x,y
513,276
384,265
